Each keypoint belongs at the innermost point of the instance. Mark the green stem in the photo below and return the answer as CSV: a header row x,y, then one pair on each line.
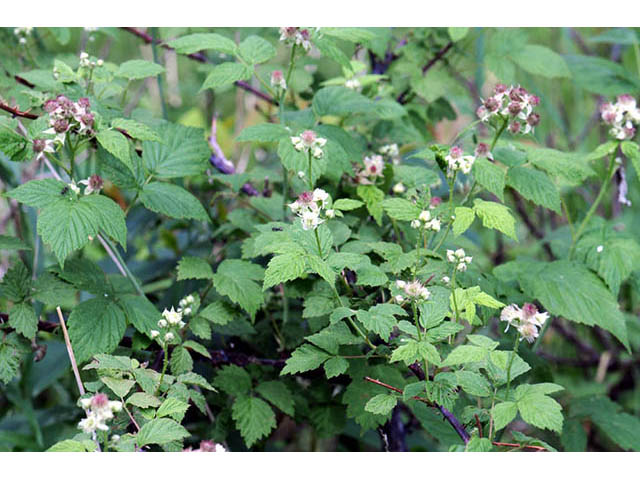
x,y
165,363
124,266
310,178
505,122
289,72
596,203
511,357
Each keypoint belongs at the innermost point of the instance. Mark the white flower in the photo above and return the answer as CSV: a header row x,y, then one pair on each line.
x,y
168,337
460,253
320,195
92,184
433,225
425,216
310,220
446,280
390,150
330,213
528,331
599,248
451,256
301,174
84,59
154,333
399,188
85,402
415,224
172,316
278,80
401,283
74,187
162,323
100,62
88,425
511,314
115,406
186,311
398,299
352,83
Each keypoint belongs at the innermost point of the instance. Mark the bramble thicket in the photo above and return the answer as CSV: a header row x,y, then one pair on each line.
x,y
319,239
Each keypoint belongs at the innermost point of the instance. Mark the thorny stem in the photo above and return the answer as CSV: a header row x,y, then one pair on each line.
x,y
165,363
595,204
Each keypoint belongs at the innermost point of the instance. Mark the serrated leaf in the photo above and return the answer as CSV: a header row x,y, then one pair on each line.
x,y
237,279
218,313
335,366
464,218
119,386
38,193
135,129
304,358
381,404
96,326
8,243
172,407
23,319
181,361
184,152
137,69
278,394
254,50
140,312
535,186
490,176
172,201
380,318
192,378
225,74
283,268
117,145
543,61
254,418
143,400
372,197
346,204
497,216
111,218
203,41
541,411
161,431
503,414
194,268
401,209
233,380
68,446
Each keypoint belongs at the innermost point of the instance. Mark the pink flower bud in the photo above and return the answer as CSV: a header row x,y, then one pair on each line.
x,y
500,88
84,102
308,137
99,400
482,150
38,145
514,127
514,108
50,105
492,104
533,119
455,152
435,201
61,125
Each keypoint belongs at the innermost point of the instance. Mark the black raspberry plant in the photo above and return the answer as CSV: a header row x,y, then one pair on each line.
x,y
312,238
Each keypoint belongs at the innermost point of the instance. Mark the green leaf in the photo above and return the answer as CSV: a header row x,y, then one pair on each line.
x,y
457,33
328,48
172,201
237,279
50,290
335,366
67,224
346,204
225,74
381,404
111,218
304,358
140,312
181,361
194,268
264,132
568,289
535,186
490,176
161,431
191,378
570,168
380,318
23,319
143,400
119,386
12,350
233,380
278,394
96,326
218,313
68,446
203,41
136,129
539,410
372,197
16,283
497,216
137,69
319,266
283,268
503,414
197,347
254,50
13,146
473,383
38,193
631,150
12,243
466,354
184,152
254,418
477,444
331,337
401,209
464,218
174,408
117,145
541,60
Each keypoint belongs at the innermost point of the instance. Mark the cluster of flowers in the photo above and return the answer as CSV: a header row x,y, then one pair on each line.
x,y
526,320
309,205
296,36
352,83
373,169
391,151
457,160
278,80
623,116
207,446
65,115
173,319
99,409
459,258
513,103
425,221
413,290
86,62
308,141
22,33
